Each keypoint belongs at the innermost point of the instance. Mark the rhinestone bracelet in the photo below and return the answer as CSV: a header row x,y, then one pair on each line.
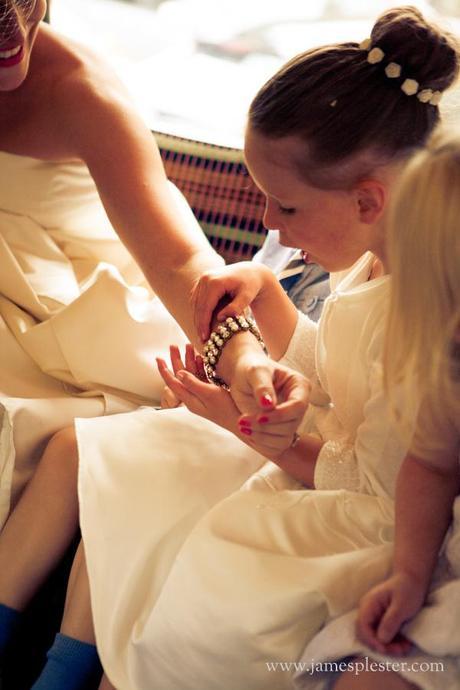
x,y
220,337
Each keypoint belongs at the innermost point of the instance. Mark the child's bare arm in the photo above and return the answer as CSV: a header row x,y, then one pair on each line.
x,y
424,497
247,284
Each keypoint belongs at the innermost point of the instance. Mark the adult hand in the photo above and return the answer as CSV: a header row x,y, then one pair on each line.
x,y
383,611
241,282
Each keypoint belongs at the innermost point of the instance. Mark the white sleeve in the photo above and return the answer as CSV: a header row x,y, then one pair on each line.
x,y
300,353
371,462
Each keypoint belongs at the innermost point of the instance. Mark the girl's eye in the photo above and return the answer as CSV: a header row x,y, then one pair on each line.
x,y
287,211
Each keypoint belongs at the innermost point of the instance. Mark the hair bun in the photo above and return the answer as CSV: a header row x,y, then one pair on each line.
x,y
425,52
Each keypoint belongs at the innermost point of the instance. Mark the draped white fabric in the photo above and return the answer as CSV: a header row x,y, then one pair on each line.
x,y
205,562
79,328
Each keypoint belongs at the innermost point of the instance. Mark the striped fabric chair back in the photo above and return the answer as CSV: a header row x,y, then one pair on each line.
x,y
224,199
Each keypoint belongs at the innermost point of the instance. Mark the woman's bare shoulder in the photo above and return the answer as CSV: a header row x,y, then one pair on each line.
x,y
64,84
62,64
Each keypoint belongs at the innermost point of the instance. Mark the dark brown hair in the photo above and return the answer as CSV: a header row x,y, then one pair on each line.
x,y
351,116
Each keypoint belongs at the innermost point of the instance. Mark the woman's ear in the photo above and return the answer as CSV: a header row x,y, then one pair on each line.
x,y
371,197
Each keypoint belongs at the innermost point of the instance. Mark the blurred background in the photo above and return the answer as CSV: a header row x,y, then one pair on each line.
x,y
193,66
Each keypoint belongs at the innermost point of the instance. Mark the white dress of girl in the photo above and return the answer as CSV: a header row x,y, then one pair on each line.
x,y
79,329
209,565
434,659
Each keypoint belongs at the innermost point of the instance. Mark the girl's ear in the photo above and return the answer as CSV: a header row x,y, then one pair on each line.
x,y
371,197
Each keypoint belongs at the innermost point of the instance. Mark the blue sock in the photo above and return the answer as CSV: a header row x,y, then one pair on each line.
x,y
9,619
71,665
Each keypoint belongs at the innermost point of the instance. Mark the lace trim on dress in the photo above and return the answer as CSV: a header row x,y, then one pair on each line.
x,y
336,467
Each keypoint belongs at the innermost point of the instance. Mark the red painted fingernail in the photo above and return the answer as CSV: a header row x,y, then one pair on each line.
x,y
266,400
263,419
244,422
245,430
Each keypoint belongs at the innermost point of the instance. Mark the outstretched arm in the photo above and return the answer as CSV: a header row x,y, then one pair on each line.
x,y
424,498
122,157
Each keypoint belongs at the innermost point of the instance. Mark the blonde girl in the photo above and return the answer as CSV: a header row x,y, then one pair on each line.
x,y
422,357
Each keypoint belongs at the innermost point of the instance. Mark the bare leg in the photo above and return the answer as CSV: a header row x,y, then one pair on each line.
x,y
43,523
106,684
368,680
77,621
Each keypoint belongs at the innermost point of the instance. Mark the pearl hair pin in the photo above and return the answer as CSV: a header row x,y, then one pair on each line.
x,y
393,70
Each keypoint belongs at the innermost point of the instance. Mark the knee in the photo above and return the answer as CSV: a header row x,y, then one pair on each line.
x,y
62,451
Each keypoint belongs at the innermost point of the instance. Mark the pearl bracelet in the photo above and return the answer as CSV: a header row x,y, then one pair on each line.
x,y
220,337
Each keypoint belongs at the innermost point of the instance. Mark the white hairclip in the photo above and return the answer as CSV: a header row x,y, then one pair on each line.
x,y
366,44
410,87
435,98
393,70
375,55
425,95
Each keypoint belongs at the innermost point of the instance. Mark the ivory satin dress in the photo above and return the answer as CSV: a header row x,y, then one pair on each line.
x,y
79,328
207,563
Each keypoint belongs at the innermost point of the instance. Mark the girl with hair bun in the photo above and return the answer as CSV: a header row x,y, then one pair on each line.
x,y
208,565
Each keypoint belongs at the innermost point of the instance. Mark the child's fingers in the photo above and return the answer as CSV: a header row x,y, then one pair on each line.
x,y
370,612
284,413
170,379
400,646
260,379
206,298
199,364
176,359
179,390
237,306
190,360
201,389
270,442
391,622
169,400
163,369
262,424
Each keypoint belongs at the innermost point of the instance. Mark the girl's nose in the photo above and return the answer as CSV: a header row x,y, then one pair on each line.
x,y
272,218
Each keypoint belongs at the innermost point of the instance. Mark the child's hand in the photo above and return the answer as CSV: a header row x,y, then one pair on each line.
x,y
169,400
242,282
189,386
193,364
268,432
272,420
383,611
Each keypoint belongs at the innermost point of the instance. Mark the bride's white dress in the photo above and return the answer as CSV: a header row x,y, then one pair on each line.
x,y
79,328
208,564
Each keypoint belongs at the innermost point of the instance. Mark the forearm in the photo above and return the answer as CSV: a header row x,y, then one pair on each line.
x,y
299,461
271,308
275,314
424,499
170,248
154,223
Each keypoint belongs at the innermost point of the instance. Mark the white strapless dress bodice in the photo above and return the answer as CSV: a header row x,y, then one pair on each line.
x,y
79,326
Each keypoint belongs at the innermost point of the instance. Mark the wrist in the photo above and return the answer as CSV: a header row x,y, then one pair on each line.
x,y
419,581
241,350
299,460
269,284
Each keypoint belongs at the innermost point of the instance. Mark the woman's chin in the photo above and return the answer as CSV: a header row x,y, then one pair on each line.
x,y
11,78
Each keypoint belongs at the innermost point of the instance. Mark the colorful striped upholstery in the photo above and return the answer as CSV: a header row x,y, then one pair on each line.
x,y
225,201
